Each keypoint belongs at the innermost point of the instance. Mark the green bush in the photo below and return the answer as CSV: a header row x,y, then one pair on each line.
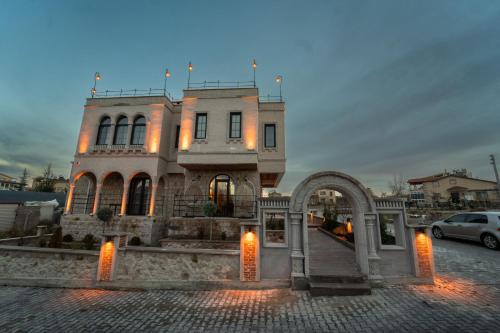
x,y
67,238
223,236
56,239
135,241
330,222
209,209
104,214
88,241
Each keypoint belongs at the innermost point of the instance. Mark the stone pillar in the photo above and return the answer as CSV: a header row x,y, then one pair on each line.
x,y
126,185
110,243
97,197
298,265
69,198
424,258
373,258
129,134
249,251
152,202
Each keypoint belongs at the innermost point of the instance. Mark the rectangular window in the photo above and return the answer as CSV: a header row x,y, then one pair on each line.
x,y
269,136
177,133
275,229
235,125
200,131
391,230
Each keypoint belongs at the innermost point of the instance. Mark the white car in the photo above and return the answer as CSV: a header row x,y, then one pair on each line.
x,y
481,227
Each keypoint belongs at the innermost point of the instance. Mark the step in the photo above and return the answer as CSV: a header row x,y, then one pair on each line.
x,y
339,289
337,278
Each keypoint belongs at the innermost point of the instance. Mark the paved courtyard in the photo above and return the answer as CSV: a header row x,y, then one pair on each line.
x,y
466,298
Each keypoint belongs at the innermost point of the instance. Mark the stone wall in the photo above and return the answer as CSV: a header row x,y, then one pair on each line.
x,y
57,267
148,264
199,228
149,230
423,246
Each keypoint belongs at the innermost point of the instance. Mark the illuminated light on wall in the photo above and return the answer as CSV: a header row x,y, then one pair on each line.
x,y
187,122
154,133
250,110
70,198
249,256
106,260
424,253
349,227
83,144
249,237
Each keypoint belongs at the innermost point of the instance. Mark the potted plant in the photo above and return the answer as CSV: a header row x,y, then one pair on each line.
x,y
105,215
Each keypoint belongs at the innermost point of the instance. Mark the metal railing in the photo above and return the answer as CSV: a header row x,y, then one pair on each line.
x,y
241,206
270,98
132,93
221,84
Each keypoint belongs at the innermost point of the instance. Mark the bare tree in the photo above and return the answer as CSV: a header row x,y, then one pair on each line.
x,y
397,186
46,182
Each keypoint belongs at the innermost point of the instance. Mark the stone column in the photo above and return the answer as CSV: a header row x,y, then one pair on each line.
x,y
69,199
126,185
249,251
97,197
297,256
129,134
373,258
152,202
108,256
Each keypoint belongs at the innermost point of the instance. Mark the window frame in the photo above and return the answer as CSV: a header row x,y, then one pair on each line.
x,y
177,136
134,127
469,215
231,114
274,136
100,127
399,231
117,128
199,115
264,229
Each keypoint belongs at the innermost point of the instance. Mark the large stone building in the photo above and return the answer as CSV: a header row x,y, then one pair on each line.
x,y
456,187
150,158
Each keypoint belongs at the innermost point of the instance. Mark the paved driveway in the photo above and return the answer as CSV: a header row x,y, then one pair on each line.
x,y
466,298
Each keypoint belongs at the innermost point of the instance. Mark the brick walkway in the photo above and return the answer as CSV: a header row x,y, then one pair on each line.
x,y
461,301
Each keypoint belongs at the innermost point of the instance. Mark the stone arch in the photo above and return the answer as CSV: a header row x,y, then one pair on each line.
x,y
83,195
361,202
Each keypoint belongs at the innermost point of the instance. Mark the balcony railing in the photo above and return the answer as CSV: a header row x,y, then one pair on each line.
x,y
132,93
240,206
221,84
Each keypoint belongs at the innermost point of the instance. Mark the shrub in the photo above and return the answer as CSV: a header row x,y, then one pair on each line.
x,y
42,242
223,236
201,233
104,214
209,209
88,241
56,239
67,238
135,241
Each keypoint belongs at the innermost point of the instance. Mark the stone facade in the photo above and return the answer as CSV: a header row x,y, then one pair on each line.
x,y
203,228
149,230
183,265
47,264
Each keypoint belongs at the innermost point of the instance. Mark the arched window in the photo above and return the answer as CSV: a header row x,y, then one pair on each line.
x,y
102,133
138,131
121,130
139,195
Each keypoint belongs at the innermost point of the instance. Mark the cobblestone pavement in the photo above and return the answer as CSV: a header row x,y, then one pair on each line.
x,y
465,298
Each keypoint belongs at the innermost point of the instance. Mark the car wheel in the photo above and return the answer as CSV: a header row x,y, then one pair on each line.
x,y
437,232
490,241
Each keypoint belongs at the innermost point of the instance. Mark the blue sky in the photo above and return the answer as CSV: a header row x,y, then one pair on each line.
x,y
373,88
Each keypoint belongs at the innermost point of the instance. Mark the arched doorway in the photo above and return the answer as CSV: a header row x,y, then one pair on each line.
x,y
112,192
82,201
357,196
139,195
221,193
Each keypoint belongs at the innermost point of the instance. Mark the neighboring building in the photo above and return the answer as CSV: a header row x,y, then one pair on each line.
x,y
456,187
9,183
154,157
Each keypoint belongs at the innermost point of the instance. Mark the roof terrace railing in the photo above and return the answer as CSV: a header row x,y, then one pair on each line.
x,y
269,98
132,93
221,84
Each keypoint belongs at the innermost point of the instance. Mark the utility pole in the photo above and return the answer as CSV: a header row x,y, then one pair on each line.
x,y
492,159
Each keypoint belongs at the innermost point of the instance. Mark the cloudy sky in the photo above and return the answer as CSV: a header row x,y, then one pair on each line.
x,y
373,88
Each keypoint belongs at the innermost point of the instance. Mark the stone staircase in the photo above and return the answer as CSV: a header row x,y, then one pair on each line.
x,y
333,268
